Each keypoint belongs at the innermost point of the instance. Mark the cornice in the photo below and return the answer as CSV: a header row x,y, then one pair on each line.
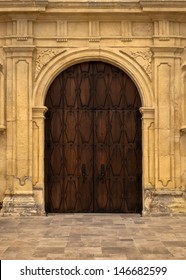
x,y
23,5
167,51
20,48
122,5
163,6
100,6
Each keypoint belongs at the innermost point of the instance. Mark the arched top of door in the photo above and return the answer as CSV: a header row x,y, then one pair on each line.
x,y
63,60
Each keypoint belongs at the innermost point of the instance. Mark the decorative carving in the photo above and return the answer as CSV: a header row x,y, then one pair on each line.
x,y
22,180
144,59
96,39
62,39
126,39
161,38
23,38
43,57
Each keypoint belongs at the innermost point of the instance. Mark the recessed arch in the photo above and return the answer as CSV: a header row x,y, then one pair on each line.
x,y
93,151
66,59
61,62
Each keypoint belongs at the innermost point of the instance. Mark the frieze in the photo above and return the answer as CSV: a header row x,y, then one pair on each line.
x,y
43,57
143,58
142,29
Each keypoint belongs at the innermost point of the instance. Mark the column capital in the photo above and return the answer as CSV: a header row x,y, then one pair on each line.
x,y
24,50
39,112
167,51
147,112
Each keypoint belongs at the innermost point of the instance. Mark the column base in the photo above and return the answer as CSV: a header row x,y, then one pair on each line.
x,y
164,202
20,205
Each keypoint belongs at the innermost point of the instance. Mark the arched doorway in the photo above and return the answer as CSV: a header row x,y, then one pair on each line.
x,y
93,160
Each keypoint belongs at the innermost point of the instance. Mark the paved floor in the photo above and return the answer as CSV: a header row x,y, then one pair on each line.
x,y
93,236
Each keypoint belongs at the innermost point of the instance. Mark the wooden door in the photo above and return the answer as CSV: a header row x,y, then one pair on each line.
x,y
93,141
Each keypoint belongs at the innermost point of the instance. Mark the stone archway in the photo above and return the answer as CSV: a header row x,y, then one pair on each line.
x,y
48,74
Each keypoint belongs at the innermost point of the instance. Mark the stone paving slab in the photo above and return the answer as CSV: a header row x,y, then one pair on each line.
x,y
93,236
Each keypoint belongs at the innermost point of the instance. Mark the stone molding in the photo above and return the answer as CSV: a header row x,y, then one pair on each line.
x,y
147,112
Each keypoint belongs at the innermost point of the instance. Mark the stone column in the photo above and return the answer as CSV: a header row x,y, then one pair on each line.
x,y
19,197
148,167
38,155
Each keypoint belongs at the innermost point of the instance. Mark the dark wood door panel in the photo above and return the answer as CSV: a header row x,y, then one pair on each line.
x,y
93,141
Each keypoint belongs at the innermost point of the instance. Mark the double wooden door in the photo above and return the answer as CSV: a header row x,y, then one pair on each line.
x,y
93,141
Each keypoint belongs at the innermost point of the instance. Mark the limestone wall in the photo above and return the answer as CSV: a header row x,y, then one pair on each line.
x,y
39,39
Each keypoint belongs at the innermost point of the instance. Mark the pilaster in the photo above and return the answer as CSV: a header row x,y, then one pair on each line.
x,y
38,154
168,196
148,148
165,88
19,131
